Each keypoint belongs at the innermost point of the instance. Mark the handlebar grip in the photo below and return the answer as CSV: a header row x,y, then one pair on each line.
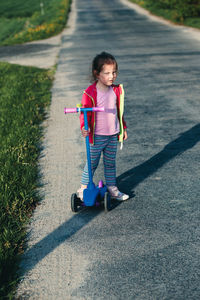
x,y
70,110
98,109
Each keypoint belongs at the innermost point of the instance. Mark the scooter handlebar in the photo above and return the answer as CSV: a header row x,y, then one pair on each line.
x,y
98,109
77,109
70,110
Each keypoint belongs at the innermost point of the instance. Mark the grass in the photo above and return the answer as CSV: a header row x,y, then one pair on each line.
x,y
24,97
173,15
24,21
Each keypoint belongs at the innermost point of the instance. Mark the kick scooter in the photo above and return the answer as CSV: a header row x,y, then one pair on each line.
x,y
92,195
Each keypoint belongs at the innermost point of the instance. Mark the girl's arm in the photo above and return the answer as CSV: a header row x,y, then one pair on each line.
x,y
125,134
124,123
86,102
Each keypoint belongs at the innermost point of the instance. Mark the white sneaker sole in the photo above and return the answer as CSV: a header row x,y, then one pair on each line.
x,y
124,198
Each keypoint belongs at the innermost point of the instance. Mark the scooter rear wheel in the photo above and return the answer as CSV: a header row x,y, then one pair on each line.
x,y
107,201
74,202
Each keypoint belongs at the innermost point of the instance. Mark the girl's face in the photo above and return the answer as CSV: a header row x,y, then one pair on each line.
x,y
107,75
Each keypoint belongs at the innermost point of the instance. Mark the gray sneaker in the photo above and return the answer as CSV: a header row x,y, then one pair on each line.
x,y
116,194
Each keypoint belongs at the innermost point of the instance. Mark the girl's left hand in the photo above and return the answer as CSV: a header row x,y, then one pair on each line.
x,y
125,135
85,132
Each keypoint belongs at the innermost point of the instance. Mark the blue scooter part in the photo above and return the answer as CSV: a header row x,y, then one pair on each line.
x,y
102,189
91,194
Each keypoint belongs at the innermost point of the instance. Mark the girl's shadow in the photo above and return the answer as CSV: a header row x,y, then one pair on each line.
x,y
127,182
131,178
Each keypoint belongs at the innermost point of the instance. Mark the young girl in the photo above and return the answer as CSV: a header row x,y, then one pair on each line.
x,y
105,128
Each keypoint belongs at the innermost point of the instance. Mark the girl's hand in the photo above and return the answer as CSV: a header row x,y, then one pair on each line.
x,y
85,132
125,135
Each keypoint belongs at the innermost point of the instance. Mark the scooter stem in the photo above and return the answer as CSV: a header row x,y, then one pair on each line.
x,y
91,183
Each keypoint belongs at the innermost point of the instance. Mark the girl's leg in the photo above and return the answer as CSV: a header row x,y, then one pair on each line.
x,y
110,152
95,153
109,159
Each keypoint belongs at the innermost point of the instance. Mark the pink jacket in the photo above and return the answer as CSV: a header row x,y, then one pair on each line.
x,y
89,99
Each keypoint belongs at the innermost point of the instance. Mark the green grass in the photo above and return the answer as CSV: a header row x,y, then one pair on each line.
x,y
24,97
24,21
177,13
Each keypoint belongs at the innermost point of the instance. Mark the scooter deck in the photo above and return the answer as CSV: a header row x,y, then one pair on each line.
x,y
90,196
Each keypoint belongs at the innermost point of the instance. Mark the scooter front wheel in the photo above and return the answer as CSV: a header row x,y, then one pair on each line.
x,y
107,201
74,202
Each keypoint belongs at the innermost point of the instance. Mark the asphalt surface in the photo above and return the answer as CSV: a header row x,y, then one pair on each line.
x,y
41,54
147,247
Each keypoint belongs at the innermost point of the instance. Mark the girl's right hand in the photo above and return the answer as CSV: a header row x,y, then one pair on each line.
x,y
85,132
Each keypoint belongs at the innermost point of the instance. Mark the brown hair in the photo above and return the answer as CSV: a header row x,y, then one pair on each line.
x,y
100,60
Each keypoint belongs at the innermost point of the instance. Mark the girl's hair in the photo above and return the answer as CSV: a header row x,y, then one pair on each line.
x,y
100,60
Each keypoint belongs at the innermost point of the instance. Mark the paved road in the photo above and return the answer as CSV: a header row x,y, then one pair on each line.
x,y
41,54
147,247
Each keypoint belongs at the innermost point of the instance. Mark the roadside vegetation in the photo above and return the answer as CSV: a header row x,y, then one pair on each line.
x,y
185,12
24,99
24,21
25,95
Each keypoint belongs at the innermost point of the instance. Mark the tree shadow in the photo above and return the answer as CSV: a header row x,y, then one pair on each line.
x,y
26,49
131,178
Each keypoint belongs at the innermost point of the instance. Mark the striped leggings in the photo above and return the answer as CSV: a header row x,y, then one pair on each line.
x,y
107,145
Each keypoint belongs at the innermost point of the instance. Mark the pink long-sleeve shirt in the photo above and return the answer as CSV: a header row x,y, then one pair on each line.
x,y
107,122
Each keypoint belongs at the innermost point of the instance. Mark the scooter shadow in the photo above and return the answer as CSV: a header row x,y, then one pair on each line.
x,y
100,207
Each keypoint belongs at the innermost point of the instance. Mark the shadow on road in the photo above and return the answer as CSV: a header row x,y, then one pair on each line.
x,y
130,179
25,49
60,235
